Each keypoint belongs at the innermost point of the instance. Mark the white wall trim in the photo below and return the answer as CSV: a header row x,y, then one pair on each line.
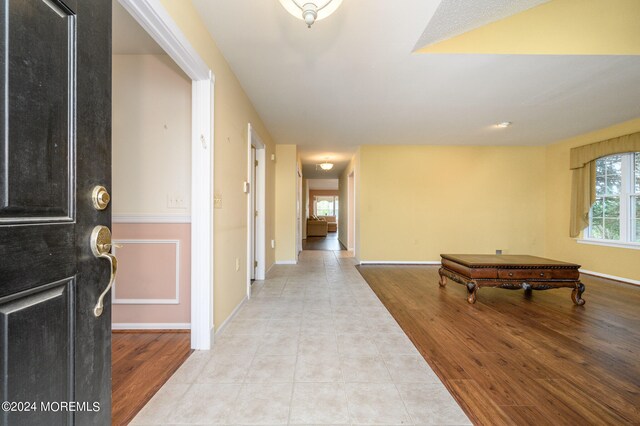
x,y
121,218
399,262
153,17
286,262
609,243
150,326
202,250
174,301
611,277
231,316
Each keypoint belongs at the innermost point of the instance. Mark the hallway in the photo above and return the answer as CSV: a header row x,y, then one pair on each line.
x,y
330,242
313,346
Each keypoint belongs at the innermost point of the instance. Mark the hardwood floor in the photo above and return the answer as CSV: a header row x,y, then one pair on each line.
x,y
141,363
330,242
512,359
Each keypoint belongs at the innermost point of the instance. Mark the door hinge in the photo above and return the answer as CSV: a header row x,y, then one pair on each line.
x,y
255,263
256,163
256,215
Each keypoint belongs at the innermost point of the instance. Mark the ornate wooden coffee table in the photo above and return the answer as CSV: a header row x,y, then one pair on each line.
x,y
512,272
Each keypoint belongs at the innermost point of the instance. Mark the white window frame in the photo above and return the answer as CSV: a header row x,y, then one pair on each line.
x,y
627,219
316,198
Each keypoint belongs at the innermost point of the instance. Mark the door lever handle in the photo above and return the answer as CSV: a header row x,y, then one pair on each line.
x,y
101,247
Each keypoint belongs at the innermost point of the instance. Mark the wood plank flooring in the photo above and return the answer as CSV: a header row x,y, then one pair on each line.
x,y
512,359
141,363
330,242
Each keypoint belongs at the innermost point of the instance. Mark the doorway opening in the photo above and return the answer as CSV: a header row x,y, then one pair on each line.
x,y
162,300
324,212
256,219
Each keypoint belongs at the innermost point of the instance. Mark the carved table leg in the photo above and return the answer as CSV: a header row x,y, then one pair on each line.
x,y
443,279
472,289
576,294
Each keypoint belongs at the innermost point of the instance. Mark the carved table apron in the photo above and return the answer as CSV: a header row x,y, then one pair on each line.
x,y
512,272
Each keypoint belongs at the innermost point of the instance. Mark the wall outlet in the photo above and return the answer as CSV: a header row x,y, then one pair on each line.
x,y
176,201
498,251
217,201
273,244
237,264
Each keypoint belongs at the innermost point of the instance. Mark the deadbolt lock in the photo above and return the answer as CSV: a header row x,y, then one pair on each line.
x,y
100,197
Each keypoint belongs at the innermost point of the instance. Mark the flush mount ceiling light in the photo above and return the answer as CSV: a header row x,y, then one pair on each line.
x,y
504,124
310,11
326,166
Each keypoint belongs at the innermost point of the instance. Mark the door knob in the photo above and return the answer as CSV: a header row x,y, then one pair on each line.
x,y
101,248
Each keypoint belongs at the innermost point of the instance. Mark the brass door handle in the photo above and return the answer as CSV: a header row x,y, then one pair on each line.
x,y
101,248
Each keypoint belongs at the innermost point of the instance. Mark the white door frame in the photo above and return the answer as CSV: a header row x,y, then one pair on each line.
x,y
351,211
154,18
298,213
253,140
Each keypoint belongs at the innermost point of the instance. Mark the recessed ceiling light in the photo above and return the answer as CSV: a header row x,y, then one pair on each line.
x,y
504,124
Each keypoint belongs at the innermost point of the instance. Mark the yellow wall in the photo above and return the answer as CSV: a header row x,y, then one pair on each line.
x,y
416,202
233,110
620,262
286,199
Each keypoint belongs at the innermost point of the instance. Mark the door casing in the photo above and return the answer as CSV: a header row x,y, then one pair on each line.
x,y
254,142
152,16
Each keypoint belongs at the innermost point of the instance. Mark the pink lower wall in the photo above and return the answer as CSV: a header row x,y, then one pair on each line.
x,y
153,257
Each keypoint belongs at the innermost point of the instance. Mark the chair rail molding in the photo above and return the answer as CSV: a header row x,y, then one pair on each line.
x,y
154,18
132,218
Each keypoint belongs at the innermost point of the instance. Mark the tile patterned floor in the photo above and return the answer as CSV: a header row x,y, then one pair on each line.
x,y
314,345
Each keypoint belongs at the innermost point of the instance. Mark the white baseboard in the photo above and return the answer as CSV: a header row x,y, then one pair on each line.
x,y
399,262
266,274
230,317
286,262
150,326
611,277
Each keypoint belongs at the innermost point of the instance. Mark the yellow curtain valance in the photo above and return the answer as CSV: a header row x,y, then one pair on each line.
x,y
583,163
582,155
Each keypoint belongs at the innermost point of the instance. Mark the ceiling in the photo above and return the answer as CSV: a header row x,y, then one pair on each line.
x,y
352,80
330,184
454,17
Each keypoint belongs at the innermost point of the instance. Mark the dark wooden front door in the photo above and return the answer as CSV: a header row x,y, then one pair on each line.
x,y
55,146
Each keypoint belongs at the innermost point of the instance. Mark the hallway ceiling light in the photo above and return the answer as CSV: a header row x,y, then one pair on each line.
x,y
504,124
310,11
326,165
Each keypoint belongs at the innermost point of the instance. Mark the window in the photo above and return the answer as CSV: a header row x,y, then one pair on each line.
x,y
615,215
326,206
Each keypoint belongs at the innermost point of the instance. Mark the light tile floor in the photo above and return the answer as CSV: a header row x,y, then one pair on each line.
x,y
314,345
